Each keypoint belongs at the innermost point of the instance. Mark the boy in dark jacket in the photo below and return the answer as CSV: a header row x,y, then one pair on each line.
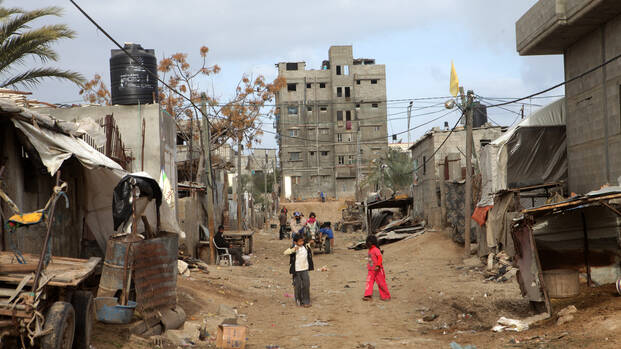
x,y
300,263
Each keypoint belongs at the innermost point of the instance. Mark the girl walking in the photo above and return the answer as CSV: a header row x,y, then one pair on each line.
x,y
300,262
376,272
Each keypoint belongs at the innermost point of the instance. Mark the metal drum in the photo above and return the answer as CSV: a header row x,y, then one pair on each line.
x,y
113,270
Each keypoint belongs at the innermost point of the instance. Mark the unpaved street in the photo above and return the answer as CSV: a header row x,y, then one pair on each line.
x,y
426,277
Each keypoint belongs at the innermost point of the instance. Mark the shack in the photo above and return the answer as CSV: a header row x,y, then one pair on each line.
x,y
582,233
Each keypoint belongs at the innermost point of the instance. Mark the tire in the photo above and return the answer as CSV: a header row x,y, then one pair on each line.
x,y
326,246
84,308
60,318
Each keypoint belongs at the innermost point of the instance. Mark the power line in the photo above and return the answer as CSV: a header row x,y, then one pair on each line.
x,y
136,61
580,76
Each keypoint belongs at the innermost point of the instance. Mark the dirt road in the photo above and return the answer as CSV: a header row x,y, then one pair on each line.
x,y
426,277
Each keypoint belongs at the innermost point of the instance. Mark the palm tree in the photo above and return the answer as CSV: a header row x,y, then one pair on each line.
x,y
19,42
393,170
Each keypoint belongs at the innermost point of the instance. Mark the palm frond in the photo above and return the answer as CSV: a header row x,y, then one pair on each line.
x,y
33,77
14,22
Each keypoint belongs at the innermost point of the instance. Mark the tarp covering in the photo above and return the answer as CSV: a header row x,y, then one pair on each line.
x,y
531,153
54,148
101,176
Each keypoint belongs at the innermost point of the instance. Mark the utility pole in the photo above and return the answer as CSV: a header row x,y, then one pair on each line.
x,y
522,111
277,196
358,191
239,188
409,117
265,201
209,182
467,102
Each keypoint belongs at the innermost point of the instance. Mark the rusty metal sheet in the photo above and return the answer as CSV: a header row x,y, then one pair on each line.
x,y
155,274
529,274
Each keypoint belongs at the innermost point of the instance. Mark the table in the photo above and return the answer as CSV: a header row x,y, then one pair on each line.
x,y
245,237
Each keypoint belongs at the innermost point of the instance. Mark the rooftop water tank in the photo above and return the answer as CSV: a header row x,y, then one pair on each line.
x,y
131,82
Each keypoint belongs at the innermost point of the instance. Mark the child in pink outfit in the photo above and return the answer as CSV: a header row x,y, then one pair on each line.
x,y
376,273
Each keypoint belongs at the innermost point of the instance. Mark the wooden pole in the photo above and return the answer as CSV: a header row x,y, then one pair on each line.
x,y
208,179
468,111
238,191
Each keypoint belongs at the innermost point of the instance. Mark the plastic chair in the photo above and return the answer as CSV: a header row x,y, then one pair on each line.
x,y
225,254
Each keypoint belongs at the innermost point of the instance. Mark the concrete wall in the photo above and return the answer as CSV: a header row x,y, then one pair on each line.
x,y
427,190
593,118
160,133
318,137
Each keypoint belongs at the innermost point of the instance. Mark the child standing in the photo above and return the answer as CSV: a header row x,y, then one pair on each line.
x,y
300,262
376,272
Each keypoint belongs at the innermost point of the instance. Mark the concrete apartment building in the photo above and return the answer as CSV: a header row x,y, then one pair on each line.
x,y
331,124
586,33
448,163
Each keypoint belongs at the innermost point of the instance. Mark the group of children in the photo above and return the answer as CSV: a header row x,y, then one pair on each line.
x,y
301,262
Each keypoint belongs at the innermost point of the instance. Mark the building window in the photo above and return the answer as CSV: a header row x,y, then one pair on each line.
x,y
294,132
338,70
341,159
292,110
373,82
322,85
348,115
324,153
345,70
308,85
424,165
292,87
357,106
374,105
339,92
294,156
350,159
347,92
339,137
292,66
296,179
339,115
323,108
309,109
485,142
357,82
311,153
324,131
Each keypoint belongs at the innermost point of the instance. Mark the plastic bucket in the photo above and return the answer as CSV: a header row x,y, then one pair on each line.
x,y
110,312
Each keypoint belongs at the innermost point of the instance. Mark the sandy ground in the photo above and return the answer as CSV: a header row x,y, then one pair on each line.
x,y
426,276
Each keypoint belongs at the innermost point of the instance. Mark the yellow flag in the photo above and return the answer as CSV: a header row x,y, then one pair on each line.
x,y
454,88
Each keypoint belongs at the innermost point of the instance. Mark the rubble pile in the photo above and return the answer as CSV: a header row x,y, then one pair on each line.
x,y
500,268
397,230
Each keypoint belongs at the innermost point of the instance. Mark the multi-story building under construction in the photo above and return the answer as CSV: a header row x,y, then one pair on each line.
x,y
331,125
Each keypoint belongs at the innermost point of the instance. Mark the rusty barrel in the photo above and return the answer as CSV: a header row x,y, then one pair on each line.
x,y
113,270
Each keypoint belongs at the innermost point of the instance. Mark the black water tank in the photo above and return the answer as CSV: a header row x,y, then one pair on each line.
x,y
130,82
480,115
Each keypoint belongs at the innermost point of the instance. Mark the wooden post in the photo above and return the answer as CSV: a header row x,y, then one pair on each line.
x,y
468,110
208,179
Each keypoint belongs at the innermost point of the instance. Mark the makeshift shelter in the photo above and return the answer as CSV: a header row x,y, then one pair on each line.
x,y
522,168
582,233
32,145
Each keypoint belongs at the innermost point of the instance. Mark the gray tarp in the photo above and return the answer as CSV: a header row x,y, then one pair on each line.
x,y
102,175
531,153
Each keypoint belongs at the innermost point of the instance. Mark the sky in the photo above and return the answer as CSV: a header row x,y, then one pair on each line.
x,y
416,40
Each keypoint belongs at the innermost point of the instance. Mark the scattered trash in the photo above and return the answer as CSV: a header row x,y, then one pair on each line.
x,y
457,346
504,324
431,317
272,346
347,286
324,268
317,323
288,295
203,335
565,315
366,346
231,336
183,268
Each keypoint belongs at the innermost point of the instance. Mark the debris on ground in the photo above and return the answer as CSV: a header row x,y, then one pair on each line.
x,y
500,267
183,269
195,264
316,323
431,317
565,315
457,346
505,324
324,268
405,228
